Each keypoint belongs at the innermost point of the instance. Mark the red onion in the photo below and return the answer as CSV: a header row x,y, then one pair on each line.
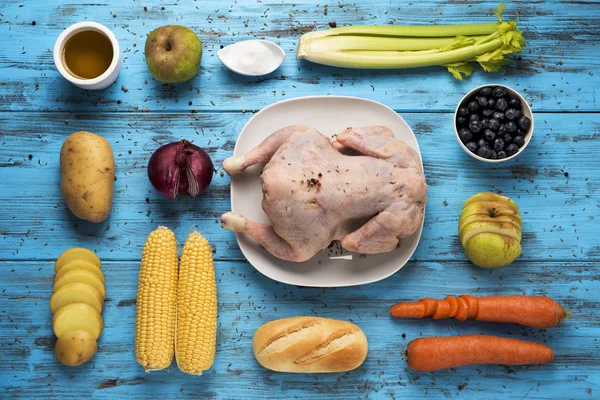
x,y
180,167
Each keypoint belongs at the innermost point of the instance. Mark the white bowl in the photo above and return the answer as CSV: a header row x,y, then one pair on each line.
x,y
277,51
108,77
525,109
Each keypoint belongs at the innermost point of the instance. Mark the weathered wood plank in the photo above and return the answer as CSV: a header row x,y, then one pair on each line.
x,y
554,72
247,299
554,182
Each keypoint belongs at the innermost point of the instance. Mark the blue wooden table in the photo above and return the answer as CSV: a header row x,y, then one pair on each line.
x,y
555,182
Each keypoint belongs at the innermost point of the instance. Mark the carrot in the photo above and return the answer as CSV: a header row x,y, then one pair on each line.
x,y
431,354
534,311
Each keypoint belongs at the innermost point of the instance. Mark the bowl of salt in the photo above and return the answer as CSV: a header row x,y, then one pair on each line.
x,y
252,57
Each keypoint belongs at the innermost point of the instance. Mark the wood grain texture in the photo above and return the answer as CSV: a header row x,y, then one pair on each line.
x,y
247,299
560,60
552,181
555,182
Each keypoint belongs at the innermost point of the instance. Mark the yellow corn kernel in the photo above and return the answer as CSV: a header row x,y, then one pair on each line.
x,y
157,301
196,334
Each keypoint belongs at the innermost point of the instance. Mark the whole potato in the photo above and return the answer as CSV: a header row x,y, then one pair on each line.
x,y
74,348
87,167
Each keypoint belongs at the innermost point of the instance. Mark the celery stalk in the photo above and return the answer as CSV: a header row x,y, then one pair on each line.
x,y
386,47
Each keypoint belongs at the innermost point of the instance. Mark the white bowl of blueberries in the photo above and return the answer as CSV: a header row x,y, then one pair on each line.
x,y
493,123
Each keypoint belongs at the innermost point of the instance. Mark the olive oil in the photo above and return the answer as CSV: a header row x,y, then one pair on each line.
x,y
87,54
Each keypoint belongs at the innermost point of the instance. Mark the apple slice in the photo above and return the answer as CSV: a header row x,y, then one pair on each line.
x,y
505,219
490,209
492,197
490,250
477,228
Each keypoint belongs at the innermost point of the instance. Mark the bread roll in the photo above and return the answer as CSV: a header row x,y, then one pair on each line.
x,y
310,344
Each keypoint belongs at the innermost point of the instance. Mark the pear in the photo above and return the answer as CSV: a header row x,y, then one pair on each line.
x,y
492,197
491,250
476,228
505,219
173,53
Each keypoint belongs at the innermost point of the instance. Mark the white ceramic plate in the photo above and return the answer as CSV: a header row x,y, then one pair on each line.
x,y
330,115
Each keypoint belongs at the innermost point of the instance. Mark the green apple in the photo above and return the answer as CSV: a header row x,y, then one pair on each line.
x,y
505,219
489,229
173,53
492,197
491,250
476,228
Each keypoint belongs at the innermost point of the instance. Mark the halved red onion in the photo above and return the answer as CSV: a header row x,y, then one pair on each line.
x,y
180,167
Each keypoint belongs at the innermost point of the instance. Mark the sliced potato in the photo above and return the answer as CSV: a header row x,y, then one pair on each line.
x,y
80,276
76,253
79,264
76,293
77,317
74,348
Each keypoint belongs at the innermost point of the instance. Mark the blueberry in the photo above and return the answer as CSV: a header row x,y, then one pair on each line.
x,y
474,117
485,123
491,102
482,143
484,152
463,111
499,92
511,127
487,112
511,114
512,149
515,103
498,144
494,124
465,135
486,91
461,121
498,115
493,155
501,154
502,129
473,106
524,123
475,126
508,138
501,104
482,102
472,146
489,135
519,141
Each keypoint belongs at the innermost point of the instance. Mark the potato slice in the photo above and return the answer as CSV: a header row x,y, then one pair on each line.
x,y
74,348
79,264
76,253
81,276
77,317
76,293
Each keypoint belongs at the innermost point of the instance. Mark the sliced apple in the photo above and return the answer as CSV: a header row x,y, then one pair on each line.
x,y
490,209
82,276
76,253
490,250
504,219
492,197
477,228
77,317
79,265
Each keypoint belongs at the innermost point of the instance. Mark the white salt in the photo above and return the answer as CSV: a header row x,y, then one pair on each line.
x,y
252,57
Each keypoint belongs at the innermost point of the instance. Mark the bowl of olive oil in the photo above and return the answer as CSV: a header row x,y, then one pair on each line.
x,y
87,55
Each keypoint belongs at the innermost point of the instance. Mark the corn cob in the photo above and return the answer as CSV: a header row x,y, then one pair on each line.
x,y
157,301
196,334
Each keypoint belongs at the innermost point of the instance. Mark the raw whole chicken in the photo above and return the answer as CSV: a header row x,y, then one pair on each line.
x,y
365,189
